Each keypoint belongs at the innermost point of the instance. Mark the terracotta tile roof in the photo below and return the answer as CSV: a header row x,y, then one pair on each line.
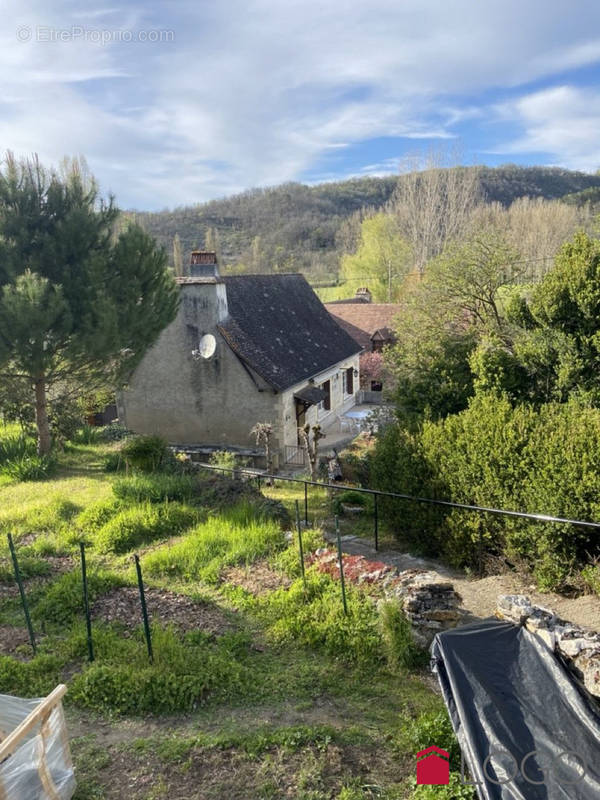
x,y
364,320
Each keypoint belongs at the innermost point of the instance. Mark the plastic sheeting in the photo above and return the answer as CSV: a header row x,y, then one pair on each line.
x,y
40,768
525,729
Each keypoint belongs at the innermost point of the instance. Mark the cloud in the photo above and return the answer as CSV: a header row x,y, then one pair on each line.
x,y
255,92
562,122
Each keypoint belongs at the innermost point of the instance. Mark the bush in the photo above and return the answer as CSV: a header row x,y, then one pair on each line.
x,y
399,645
142,524
15,447
351,498
35,678
155,488
493,454
145,453
224,459
30,467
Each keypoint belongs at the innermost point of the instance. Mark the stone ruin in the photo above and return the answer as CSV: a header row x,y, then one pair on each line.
x,y
578,647
429,601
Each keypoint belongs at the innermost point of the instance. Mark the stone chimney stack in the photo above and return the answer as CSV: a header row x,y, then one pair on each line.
x,y
203,264
363,294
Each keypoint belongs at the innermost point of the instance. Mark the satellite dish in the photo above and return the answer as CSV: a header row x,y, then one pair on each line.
x,y
208,345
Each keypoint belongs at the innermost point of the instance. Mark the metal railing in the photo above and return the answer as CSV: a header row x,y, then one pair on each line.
x,y
377,493
294,455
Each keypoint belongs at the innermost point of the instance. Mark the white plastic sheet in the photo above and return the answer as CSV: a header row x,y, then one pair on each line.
x,y
40,767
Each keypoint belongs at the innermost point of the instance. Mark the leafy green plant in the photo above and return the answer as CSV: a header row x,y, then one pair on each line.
x,y
88,434
399,645
145,453
224,459
30,467
14,447
351,498
142,524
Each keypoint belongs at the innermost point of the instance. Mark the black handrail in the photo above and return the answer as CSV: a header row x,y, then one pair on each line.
x,y
379,493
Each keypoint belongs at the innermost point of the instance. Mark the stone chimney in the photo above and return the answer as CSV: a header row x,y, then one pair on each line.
x,y
363,294
204,264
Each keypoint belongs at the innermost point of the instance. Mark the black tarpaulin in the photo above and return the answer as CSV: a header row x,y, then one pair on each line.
x,y
512,702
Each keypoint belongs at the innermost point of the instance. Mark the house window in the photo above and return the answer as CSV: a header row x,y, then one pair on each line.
x,y
376,386
326,401
349,380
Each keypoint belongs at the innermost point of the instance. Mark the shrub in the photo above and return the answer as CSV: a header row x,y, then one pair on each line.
x,y
224,459
114,432
14,447
142,524
155,488
492,454
145,453
399,645
30,467
88,434
351,498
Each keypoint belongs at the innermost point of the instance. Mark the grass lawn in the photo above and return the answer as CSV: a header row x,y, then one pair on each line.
x,y
260,686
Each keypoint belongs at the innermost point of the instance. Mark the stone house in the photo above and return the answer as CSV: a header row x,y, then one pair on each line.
x,y
242,349
371,325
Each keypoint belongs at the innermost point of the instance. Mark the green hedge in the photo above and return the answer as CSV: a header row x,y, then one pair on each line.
x,y
493,454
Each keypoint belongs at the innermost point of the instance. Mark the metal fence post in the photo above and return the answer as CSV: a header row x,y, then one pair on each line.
x,y
305,504
138,569
300,547
86,605
15,561
375,522
341,561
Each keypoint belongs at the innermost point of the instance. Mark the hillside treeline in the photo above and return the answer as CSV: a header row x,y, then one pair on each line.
x,y
294,227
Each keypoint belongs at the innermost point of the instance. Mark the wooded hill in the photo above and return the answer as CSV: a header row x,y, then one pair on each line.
x,y
294,227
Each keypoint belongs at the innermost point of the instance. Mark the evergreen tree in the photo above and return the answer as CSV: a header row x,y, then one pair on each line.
x,y
77,304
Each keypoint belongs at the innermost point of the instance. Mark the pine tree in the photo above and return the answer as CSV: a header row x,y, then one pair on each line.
x,y
76,304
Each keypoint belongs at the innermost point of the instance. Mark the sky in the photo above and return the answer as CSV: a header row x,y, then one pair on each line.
x,y
175,103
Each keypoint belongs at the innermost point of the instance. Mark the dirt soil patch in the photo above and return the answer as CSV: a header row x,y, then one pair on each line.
x,y
123,606
256,579
480,599
15,642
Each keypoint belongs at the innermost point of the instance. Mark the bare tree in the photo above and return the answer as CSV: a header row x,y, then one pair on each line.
x,y
534,227
263,431
177,257
433,204
311,447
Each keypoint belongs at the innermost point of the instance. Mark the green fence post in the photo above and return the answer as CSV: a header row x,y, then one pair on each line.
x,y
13,554
299,529
86,604
375,522
305,504
340,559
138,569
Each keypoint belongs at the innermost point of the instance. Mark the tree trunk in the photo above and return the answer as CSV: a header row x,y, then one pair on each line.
x,y
41,417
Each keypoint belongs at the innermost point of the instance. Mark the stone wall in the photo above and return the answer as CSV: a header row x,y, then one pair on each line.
x,y
578,647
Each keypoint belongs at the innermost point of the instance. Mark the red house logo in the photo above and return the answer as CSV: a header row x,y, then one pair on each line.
x,y
433,767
